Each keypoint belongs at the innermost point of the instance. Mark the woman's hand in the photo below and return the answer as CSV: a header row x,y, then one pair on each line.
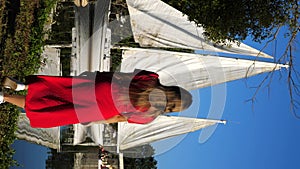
x,y
114,119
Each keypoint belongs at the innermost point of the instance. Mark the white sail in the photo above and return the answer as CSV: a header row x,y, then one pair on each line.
x,y
92,39
156,24
192,71
132,135
81,132
100,134
49,137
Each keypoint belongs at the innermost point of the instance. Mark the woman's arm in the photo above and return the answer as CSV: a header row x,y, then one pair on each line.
x,y
115,119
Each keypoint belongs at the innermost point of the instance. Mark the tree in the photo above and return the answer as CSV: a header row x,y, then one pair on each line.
x,y
59,160
140,158
63,22
233,20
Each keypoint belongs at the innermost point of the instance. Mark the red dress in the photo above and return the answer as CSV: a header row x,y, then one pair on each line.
x,y
57,101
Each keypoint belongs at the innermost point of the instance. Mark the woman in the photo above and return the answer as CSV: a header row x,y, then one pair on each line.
x,y
81,3
100,97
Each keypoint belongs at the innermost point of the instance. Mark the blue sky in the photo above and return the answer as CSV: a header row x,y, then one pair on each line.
x,y
29,156
262,135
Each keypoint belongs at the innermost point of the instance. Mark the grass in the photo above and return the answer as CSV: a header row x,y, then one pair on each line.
x,y
21,41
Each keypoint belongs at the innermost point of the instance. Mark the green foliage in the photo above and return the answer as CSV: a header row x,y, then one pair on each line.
x,y
63,22
143,158
59,160
37,40
116,59
140,163
8,118
22,30
234,20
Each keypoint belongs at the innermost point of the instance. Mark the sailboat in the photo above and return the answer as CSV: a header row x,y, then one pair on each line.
x,y
157,26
